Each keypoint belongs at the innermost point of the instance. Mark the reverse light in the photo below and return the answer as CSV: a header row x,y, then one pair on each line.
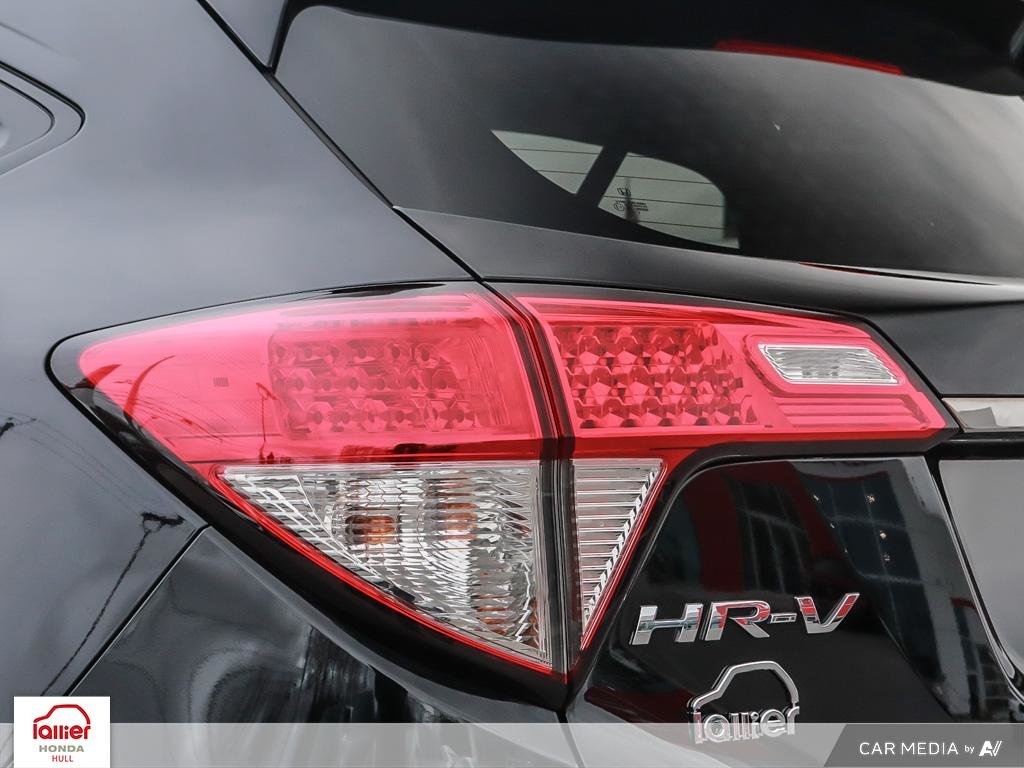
x,y
397,440
827,364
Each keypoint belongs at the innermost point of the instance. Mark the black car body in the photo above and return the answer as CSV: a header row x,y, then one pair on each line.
x,y
858,165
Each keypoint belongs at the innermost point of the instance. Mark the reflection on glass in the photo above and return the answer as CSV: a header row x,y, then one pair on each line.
x,y
645,191
560,161
775,543
668,198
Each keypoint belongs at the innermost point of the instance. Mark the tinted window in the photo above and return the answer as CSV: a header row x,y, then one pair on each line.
x,y
773,156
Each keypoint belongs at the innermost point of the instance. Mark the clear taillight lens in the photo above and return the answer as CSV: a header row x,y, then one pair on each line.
x,y
456,540
609,498
828,364
396,440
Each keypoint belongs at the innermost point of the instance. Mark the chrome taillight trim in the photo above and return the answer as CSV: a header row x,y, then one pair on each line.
x,y
988,414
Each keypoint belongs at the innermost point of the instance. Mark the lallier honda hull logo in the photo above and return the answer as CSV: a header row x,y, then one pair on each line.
x,y
58,730
744,725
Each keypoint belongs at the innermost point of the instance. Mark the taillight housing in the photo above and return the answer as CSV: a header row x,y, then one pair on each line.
x,y
407,441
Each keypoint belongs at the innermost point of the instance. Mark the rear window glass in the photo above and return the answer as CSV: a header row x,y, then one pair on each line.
x,y
774,156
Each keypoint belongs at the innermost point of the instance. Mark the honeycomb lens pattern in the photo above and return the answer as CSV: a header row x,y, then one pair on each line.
x,y
359,376
652,375
319,380
631,369
610,495
458,541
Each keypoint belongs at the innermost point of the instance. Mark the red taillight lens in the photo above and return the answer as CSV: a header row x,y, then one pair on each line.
x,y
396,440
705,375
326,381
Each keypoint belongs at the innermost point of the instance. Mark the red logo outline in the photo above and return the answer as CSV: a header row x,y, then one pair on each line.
x,y
65,733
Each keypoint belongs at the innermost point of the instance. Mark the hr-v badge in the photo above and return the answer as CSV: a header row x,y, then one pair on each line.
x,y
748,615
744,725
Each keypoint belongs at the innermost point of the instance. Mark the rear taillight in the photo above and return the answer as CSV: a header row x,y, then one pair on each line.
x,y
394,441
654,382
398,440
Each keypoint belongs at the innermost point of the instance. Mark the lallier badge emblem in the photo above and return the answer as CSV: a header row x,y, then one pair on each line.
x,y
748,615
62,730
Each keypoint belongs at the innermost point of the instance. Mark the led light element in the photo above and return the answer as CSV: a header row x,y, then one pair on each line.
x,y
458,540
820,364
326,380
707,375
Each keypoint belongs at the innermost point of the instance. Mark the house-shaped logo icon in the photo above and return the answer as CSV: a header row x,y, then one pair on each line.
x,y
63,722
746,724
